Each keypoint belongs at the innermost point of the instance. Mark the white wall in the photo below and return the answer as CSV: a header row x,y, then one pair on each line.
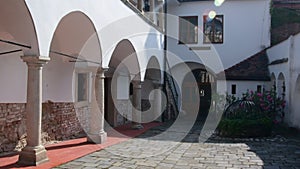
x,y
246,29
279,51
295,83
13,75
243,86
291,71
58,79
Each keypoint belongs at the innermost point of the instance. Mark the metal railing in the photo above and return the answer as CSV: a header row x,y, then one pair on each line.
x,y
138,9
172,86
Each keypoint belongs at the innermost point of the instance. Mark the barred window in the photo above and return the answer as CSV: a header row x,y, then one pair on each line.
x,y
188,30
213,29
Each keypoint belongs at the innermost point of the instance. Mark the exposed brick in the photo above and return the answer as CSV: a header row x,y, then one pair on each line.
x,y
59,122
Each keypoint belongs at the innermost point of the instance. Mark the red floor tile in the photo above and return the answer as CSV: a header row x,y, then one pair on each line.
x,y
72,149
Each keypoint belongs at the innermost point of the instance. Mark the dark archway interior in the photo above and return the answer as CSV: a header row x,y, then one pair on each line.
x,y
198,87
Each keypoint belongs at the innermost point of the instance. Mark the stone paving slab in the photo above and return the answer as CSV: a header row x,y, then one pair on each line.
x,y
147,152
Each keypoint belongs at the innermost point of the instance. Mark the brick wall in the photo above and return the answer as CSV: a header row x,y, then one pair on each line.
x,y
12,125
60,121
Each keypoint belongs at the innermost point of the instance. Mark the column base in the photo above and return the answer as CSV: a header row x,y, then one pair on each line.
x,y
33,156
97,138
137,126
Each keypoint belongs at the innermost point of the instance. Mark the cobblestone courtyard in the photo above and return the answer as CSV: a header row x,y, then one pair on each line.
x,y
151,152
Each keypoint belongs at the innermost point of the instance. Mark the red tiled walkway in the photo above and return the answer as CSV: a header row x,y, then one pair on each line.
x,y
69,150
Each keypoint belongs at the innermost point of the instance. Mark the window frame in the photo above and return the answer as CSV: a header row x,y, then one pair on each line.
x,y
85,102
180,21
204,25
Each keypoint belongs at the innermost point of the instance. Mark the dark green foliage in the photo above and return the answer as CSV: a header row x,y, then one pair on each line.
x,y
245,127
281,16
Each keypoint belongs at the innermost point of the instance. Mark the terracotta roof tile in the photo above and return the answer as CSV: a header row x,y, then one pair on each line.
x,y
254,68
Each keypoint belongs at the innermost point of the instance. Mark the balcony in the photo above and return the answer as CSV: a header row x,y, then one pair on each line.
x,y
152,11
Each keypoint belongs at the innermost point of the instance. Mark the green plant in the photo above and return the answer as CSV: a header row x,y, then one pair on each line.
x,y
252,116
245,127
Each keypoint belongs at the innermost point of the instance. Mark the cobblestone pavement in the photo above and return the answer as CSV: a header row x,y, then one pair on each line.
x,y
167,152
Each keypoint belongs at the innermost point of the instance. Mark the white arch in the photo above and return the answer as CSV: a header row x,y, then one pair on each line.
x,y
281,84
46,24
75,36
273,80
16,20
155,68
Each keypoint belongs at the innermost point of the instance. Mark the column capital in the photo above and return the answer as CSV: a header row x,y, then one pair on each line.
x,y
101,72
37,61
137,84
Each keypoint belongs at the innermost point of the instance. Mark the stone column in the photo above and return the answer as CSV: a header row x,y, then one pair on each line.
x,y
137,105
34,153
140,4
157,110
161,17
96,132
154,10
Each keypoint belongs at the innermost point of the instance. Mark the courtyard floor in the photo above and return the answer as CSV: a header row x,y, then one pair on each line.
x,y
165,146
150,150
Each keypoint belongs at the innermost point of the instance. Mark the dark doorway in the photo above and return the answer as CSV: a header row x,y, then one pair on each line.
x,y
197,89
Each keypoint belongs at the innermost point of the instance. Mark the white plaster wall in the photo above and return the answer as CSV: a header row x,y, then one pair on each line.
x,y
296,54
246,29
287,49
279,51
294,117
58,80
13,75
244,86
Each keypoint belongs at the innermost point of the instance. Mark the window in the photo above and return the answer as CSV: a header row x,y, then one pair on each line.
x,y
188,29
82,87
233,89
213,29
259,88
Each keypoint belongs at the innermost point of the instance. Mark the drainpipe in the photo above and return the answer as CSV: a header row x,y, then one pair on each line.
x,y
165,49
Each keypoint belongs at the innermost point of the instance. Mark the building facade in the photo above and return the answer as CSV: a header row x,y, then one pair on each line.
x,y
71,67
210,37
58,60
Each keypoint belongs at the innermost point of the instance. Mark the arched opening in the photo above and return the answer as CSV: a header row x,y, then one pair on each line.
x,y
69,77
151,88
17,38
196,86
273,82
197,90
281,86
123,71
